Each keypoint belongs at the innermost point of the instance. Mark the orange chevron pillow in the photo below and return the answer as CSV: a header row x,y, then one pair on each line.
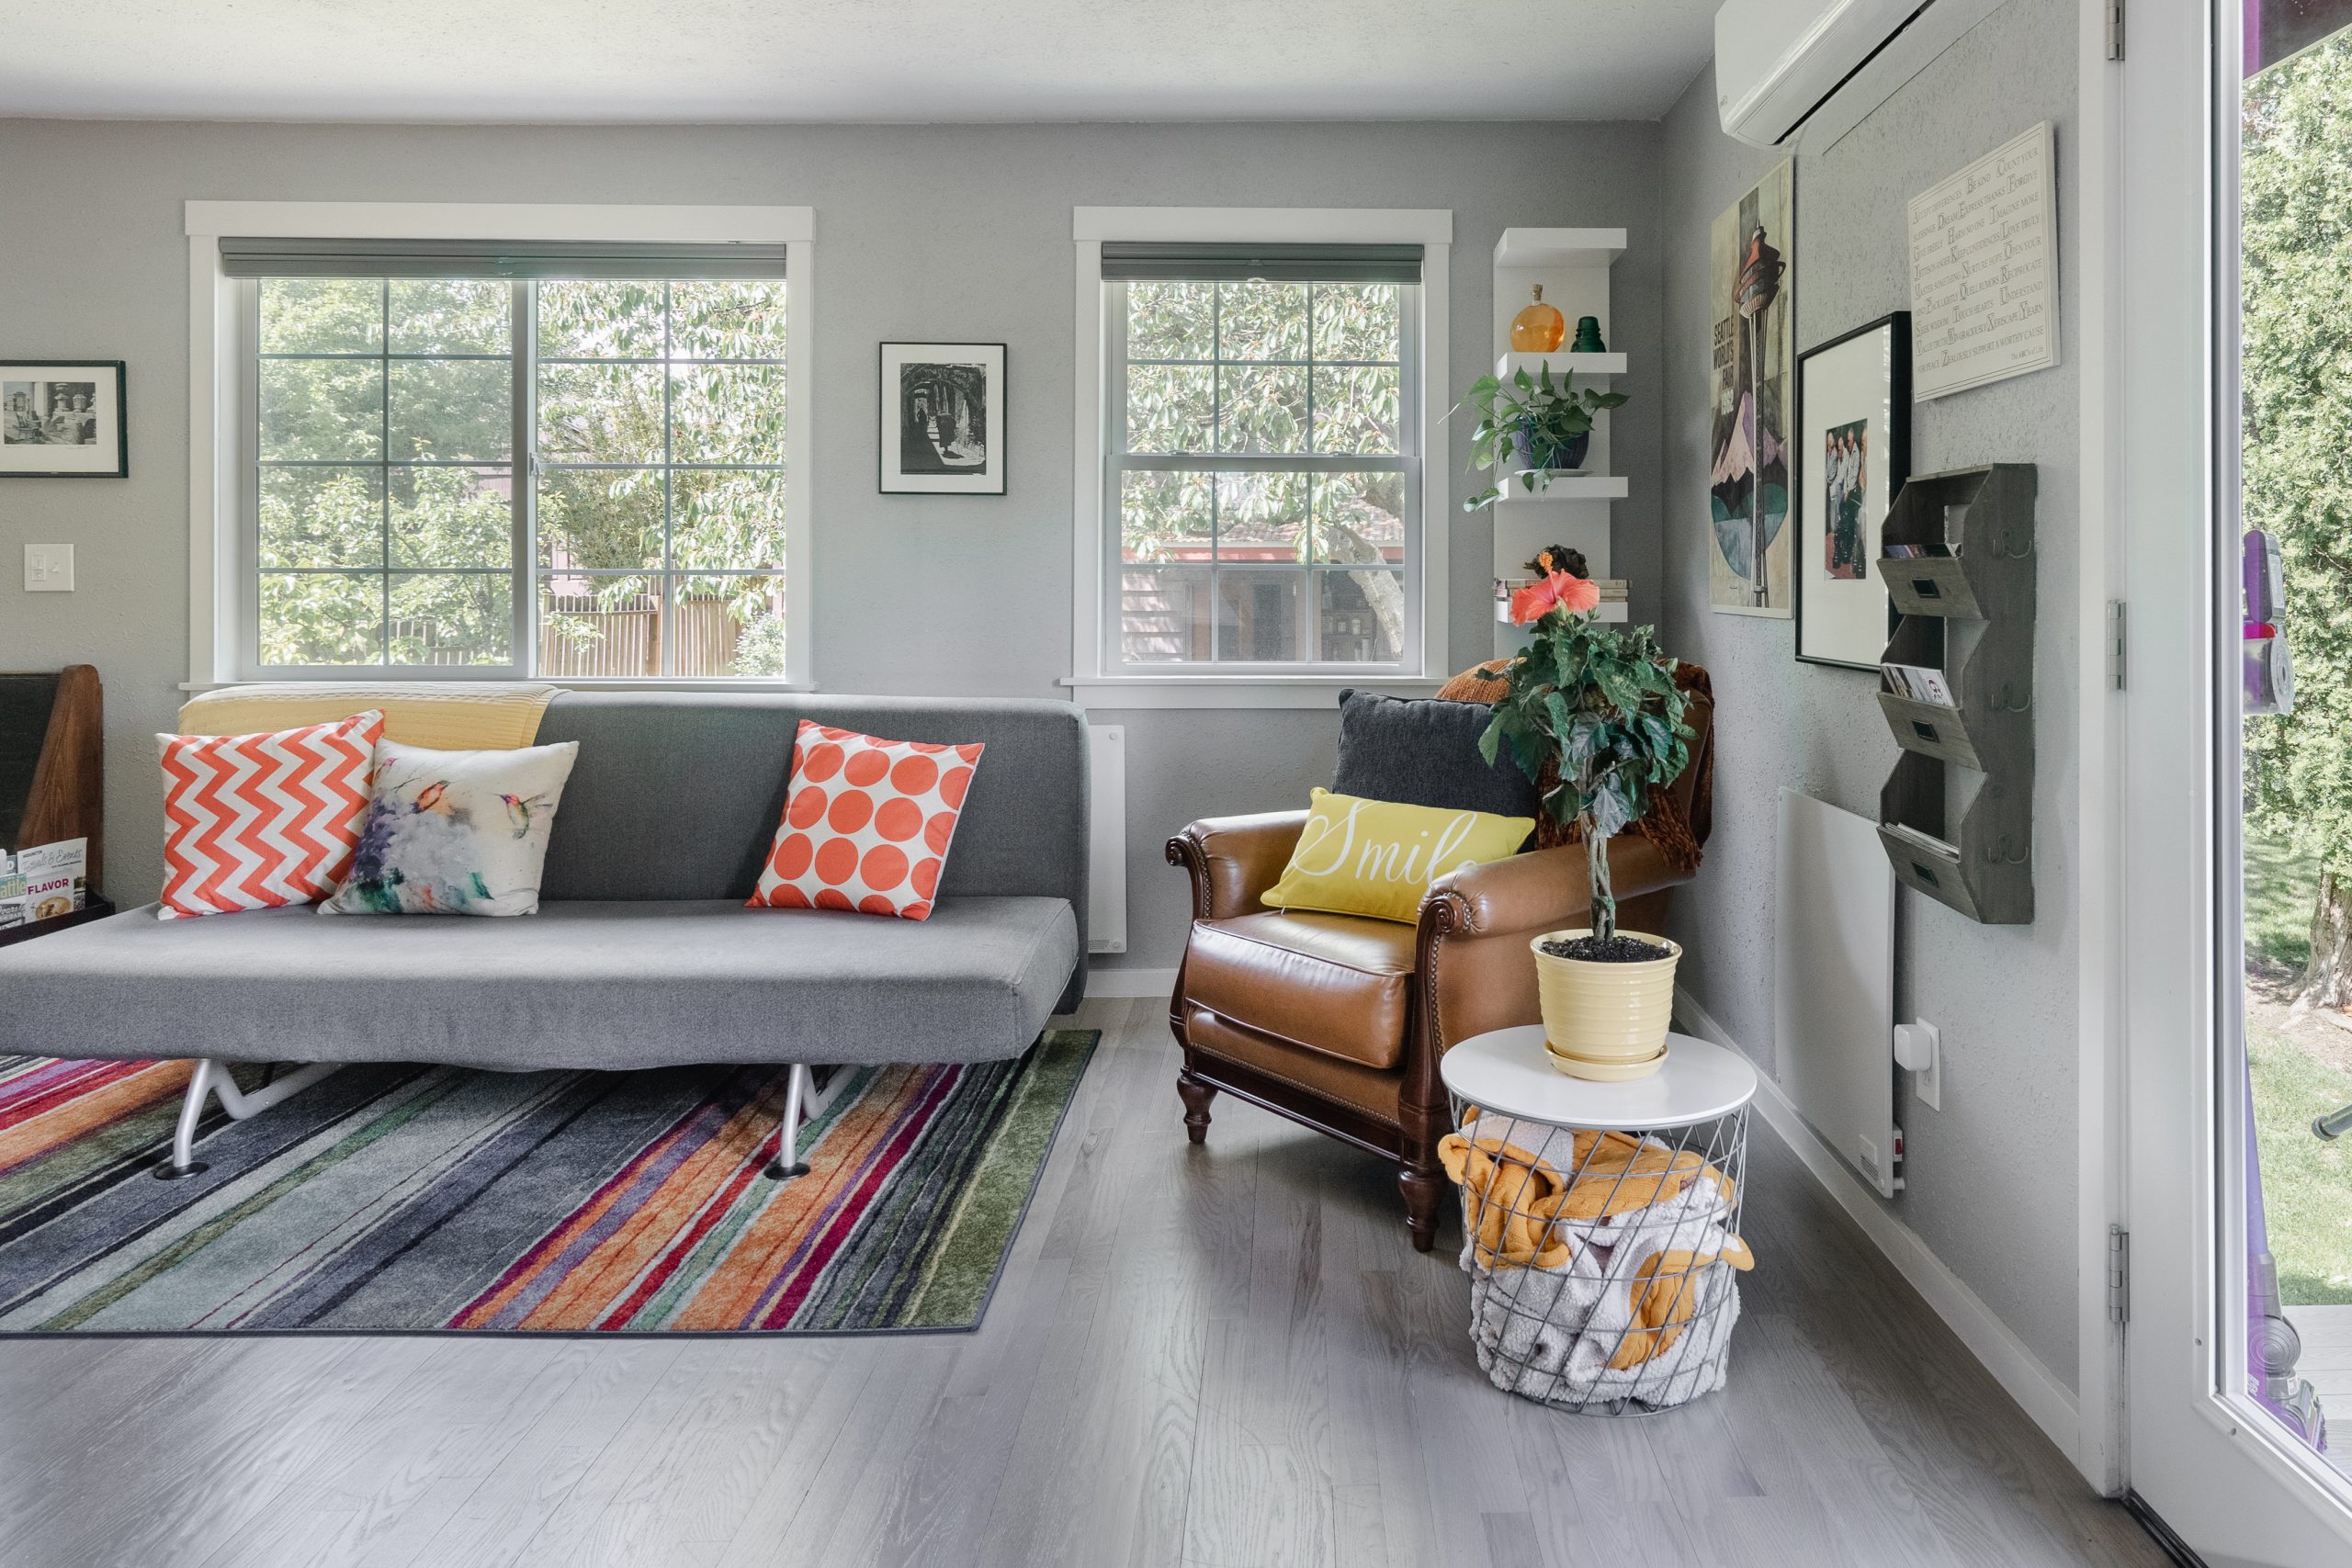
x,y
254,821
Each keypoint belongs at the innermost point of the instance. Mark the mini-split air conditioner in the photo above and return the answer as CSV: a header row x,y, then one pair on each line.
x,y
1803,72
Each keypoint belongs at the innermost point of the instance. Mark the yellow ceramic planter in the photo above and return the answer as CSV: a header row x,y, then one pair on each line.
x,y
1605,1021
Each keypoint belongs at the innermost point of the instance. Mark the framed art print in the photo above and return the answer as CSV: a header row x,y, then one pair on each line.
x,y
1751,279
1852,452
943,419
61,418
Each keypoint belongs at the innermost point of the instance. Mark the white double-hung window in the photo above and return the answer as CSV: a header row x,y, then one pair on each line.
x,y
459,457
1262,514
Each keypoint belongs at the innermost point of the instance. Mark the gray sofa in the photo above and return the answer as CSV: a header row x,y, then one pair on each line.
x,y
642,953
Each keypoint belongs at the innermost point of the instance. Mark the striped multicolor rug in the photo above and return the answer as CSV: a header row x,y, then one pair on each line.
x,y
405,1198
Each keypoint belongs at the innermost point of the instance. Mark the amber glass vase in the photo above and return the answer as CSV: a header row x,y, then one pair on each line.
x,y
1539,328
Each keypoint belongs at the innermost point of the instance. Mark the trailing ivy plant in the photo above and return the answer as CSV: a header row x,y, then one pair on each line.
x,y
1530,422
1601,704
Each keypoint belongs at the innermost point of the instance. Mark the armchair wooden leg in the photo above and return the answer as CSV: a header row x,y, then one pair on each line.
x,y
1424,1191
1422,1179
1196,1095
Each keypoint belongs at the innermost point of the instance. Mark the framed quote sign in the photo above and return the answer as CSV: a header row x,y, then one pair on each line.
x,y
1984,270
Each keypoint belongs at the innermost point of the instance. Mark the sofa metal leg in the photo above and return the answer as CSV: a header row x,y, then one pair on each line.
x,y
1424,1191
1196,1095
211,1077
805,1100
787,1161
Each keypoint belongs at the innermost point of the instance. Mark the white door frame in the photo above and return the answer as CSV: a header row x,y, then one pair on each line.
x,y
2226,1483
2098,705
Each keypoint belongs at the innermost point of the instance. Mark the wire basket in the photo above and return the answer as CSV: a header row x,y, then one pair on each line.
x,y
1603,1264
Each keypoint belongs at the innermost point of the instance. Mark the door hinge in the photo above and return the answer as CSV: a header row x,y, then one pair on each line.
x,y
2117,645
2119,1274
2115,29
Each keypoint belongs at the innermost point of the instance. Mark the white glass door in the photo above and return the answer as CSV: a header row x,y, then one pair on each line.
x,y
2233,236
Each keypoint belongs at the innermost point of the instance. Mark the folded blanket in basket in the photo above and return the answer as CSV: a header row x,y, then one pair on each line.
x,y
1521,1198
1589,1278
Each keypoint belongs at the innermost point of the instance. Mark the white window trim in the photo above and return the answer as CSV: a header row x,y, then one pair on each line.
x,y
212,446
1092,683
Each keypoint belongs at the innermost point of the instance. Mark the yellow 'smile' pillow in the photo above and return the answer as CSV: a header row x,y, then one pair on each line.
x,y
1376,858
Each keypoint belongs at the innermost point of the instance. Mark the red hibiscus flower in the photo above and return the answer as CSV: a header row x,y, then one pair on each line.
x,y
1558,592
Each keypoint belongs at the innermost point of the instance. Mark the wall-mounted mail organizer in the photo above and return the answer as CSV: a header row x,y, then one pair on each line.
x,y
1956,815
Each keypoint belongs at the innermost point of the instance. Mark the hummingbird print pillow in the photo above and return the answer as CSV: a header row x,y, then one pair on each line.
x,y
455,832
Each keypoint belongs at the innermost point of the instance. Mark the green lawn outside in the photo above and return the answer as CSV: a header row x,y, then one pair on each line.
x,y
2306,1184
2280,883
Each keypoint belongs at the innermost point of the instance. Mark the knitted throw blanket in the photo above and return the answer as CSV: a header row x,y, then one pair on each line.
x,y
1678,837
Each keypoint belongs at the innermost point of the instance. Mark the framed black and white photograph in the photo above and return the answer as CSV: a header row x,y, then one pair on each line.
x,y
943,419
61,418
1853,450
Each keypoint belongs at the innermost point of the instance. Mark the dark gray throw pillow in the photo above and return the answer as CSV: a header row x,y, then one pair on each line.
x,y
1423,751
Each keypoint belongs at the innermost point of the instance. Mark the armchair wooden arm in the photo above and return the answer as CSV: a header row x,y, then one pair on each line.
x,y
1544,890
1471,951
1231,860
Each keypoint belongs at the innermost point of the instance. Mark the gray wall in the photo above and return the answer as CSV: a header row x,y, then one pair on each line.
x,y
1991,1177
940,232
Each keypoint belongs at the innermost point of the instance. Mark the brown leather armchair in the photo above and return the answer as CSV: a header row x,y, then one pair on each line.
x,y
1337,1022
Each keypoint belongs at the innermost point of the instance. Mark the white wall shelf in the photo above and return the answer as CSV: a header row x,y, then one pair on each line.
x,y
1566,487
1558,248
1571,265
1584,366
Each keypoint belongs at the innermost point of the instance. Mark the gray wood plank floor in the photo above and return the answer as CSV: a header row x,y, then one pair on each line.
x,y
1226,1357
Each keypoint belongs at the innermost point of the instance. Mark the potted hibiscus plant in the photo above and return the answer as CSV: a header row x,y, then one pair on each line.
x,y
1532,424
1593,714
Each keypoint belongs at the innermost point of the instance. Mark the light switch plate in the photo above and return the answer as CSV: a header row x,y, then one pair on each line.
x,y
49,569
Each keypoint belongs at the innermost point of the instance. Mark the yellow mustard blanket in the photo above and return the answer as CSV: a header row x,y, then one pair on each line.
x,y
473,716
1527,1213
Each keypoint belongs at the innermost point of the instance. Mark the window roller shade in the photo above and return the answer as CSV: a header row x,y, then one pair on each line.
x,y
491,259
1157,261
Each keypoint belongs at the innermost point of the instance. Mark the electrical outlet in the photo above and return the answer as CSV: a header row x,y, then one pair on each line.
x,y
49,569
1918,1046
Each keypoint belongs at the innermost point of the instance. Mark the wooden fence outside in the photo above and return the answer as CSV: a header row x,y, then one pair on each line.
x,y
580,638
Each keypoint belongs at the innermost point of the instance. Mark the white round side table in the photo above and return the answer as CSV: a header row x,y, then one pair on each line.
x,y
1602,1221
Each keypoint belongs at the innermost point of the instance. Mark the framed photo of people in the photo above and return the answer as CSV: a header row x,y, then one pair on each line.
x,y
61,418
1852,451
943,419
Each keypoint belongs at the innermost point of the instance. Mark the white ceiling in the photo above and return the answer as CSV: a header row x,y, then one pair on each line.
x,y
850,60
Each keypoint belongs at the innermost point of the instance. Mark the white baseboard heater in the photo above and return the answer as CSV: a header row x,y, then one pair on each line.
x,y
1106,847
1834,984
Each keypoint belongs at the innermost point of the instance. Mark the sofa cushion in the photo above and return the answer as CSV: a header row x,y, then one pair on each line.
x,y
1337,984
1372,1090
676,794
605,985
1422,752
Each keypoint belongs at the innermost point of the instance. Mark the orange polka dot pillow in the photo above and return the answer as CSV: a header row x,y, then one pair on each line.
x,y
866,823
